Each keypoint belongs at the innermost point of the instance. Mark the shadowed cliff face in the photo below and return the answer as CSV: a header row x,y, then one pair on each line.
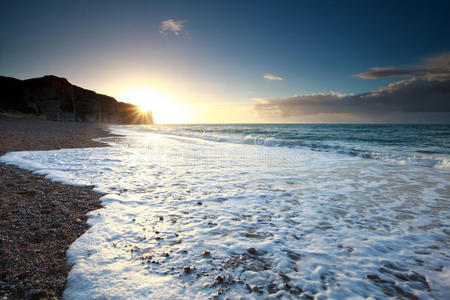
x,y
58,99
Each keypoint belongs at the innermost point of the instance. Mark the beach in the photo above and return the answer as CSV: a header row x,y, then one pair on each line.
x,y
263,211
39,219
225,150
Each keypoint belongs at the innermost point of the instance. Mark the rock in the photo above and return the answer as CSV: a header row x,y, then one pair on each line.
x,y
375,278
285,278
57,99
272,288
294,291
292,255
253,251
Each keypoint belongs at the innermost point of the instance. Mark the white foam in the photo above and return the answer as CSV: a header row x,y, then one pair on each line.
x,y
248,136
324,220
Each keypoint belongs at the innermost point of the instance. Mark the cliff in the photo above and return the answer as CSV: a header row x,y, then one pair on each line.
x,y
57,99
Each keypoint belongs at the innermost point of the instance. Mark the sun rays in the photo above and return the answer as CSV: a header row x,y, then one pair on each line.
x,y
164,108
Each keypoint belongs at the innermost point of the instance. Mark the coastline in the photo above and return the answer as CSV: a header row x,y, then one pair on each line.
x,y
40,219
174,225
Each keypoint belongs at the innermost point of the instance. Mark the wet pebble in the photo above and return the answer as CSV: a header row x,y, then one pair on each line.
x,y
252,251
272,288
285,278
375,278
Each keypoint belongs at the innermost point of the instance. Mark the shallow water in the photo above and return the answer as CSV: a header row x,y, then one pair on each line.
x,y
187,217
419,145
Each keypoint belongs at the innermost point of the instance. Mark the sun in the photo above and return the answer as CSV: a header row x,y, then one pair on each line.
x,y
164,108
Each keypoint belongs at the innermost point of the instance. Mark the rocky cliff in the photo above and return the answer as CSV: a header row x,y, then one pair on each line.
x,y
57,99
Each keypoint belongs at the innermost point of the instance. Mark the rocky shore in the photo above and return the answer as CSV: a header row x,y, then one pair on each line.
x,y
39,219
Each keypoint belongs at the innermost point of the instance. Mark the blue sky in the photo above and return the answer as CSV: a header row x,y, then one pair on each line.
x,y
224,48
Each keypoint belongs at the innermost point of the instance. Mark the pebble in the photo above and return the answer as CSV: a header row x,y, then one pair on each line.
x,y
285,278
58,218
375,278
253,251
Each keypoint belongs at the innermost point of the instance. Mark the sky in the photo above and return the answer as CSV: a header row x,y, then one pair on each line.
x,y
242,61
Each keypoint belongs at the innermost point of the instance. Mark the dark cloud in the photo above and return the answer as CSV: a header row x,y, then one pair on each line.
x,y
436,66
408,96
426,93
389,72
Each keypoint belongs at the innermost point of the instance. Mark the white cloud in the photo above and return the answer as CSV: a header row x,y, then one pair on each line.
x,y
171,25
272,77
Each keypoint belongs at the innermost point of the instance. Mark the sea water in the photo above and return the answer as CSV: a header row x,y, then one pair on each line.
x,y
260,211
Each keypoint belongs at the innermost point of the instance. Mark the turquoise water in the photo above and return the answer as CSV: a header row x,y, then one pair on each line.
x,y
419,145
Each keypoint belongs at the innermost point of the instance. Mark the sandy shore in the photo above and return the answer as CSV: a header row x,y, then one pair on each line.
x,y
39,219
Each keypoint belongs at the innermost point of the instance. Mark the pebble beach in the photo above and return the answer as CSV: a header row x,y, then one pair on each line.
x,y
39,218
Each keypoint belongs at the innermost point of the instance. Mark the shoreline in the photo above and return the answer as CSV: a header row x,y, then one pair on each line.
x,y
307,225
39,218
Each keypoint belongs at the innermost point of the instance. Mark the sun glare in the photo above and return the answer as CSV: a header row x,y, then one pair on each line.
x,y
165,110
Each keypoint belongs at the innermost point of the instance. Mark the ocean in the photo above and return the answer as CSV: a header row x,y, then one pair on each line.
x,y
260,211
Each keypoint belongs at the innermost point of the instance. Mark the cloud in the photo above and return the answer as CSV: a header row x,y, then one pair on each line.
x,y
378,72
272,77
433,67
171,25
414,95
424,96
261,100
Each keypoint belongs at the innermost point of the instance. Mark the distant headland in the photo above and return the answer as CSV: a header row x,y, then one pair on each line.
x,y
55,98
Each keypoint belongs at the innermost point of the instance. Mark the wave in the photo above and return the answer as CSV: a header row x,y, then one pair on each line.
x,y
368,145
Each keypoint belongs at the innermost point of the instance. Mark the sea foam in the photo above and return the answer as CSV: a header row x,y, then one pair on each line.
x,y
189,218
